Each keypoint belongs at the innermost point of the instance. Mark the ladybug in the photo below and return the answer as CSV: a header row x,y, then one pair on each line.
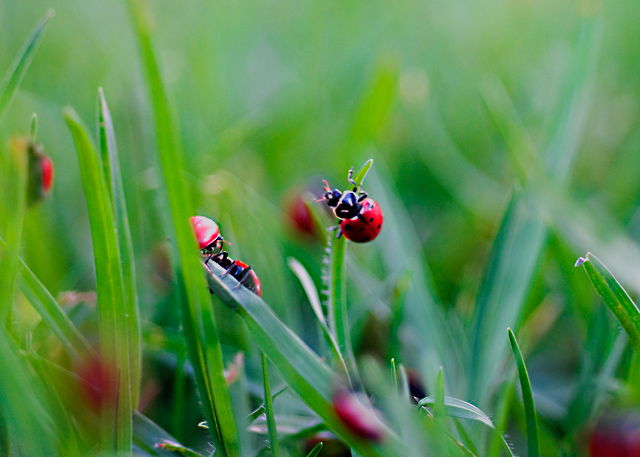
x,y
360,216
208,235
240,271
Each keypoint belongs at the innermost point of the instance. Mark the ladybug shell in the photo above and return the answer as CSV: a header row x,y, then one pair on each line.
x,y
362,232
47,173
206,230
252,282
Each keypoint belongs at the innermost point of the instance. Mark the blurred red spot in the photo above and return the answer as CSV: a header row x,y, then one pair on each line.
x,y
302,221
362,420
47,173
616,435
98,386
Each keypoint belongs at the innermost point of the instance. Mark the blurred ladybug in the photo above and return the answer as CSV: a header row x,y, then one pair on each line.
x,y
360,216
616,435
40,172
208,235
242,272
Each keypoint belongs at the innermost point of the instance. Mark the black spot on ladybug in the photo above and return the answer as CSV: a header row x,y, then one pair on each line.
x,y
371,220
348,227
379,225
362,229
366,239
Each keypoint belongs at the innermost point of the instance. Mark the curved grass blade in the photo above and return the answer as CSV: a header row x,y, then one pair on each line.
x,y
19,67
314,299
114,344
362,173
459,408
307,375
150,436
198,318
268,406
315,451
115,189
615,297
533,445
52,314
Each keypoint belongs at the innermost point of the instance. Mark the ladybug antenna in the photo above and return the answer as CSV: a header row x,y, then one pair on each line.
x,y
327,189
350,179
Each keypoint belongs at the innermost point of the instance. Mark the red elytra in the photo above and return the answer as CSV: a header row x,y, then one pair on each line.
x,y
206,230
366,226
47,173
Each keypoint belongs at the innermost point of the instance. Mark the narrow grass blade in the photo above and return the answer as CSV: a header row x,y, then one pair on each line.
x,y
460,408
315,451
533,445
614,295
362,173
149,436
113,330
52,314
21,63
511,271
198,318
314,299
115,189
268,406
12,210
307,375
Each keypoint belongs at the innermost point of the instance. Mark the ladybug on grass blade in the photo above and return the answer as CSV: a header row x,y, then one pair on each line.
x,y
240,271
208,235
360,216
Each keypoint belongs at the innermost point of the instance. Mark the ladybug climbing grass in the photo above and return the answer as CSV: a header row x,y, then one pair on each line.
x,y
360,216
210,242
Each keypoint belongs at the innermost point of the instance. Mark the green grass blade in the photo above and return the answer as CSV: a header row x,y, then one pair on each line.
x,y
307,375
52,313
533,445
514,259
148,435
12,211
115,189
19,67
113,331
315,451
362,173
198,318
614,296
460,408
268,406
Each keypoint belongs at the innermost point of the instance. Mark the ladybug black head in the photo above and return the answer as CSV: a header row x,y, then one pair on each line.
x,y
332,197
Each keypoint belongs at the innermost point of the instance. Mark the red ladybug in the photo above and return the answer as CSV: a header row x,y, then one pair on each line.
x,y
366,225
239,270
208,234
361,217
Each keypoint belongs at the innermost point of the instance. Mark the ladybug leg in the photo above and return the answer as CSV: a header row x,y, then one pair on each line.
x,y
362,196
339,234
245,276
362,218
350,179
227,270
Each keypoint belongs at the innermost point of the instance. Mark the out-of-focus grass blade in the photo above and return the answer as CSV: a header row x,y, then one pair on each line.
x,y
460,408
21,63
510,273
533,445
115,188
12,209
22,401
52,314
268,406
114,345
148,435
303,370
309,288
615,297
315,451
314,299
198,318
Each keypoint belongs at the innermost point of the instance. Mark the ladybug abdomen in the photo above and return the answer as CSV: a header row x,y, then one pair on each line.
x,y
367,226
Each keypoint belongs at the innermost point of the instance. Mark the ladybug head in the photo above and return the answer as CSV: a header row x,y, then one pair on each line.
x,y
332,197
